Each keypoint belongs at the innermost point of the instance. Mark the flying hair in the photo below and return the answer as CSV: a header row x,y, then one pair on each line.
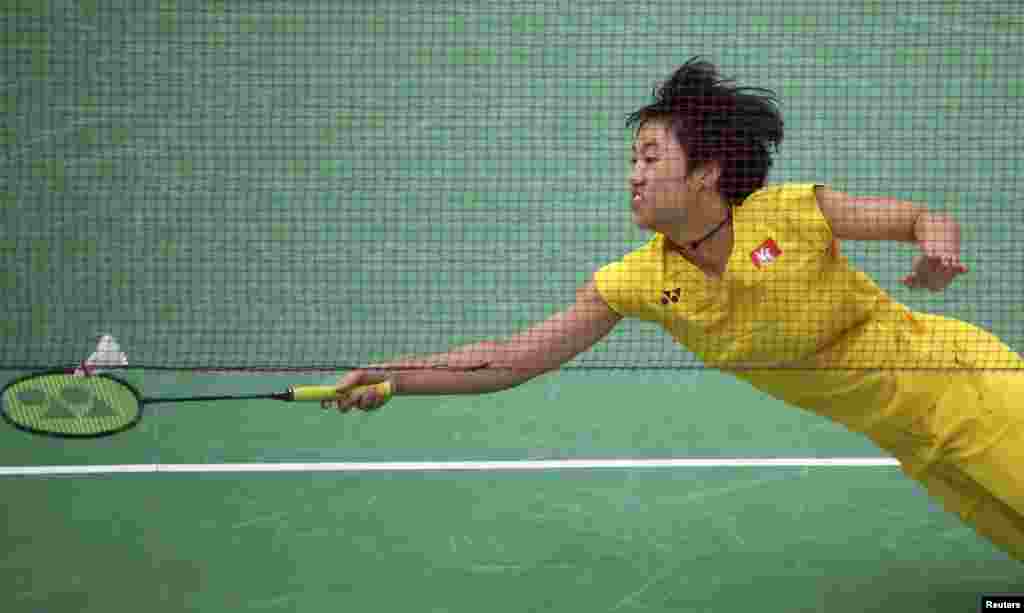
x,y
715,121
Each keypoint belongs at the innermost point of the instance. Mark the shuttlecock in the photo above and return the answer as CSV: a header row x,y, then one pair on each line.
x,y
108,355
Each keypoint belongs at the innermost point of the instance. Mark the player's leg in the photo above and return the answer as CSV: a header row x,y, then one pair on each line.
x,y
966,448
978,423
975,506
976,466
980,431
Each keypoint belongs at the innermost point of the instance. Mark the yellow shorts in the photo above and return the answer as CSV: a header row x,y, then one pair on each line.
x,y
955,423
967,449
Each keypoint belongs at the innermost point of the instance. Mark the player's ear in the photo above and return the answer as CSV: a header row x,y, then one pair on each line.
x,y
706,175
712,174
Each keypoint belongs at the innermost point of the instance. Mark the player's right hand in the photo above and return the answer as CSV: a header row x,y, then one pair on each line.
x,y
360,389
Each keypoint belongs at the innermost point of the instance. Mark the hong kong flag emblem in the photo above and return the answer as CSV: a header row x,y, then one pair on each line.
x,y
765,254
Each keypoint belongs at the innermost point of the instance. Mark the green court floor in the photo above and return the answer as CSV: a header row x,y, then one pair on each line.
x,y
695,539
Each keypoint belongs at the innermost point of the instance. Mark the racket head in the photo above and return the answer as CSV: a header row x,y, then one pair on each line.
x,y
58,403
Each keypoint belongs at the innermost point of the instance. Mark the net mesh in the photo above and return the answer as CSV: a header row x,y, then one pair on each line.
x,y
326,184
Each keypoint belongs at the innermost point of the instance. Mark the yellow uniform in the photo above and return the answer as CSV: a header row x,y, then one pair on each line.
x,y
794,319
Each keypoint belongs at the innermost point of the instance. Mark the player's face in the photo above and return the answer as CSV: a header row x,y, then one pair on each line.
x,y
660,193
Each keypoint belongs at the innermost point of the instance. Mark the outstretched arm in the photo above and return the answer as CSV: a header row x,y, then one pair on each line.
x,y
489,366
871,218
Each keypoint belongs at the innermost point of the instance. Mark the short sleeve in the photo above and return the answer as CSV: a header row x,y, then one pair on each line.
x,y
624,285
806,217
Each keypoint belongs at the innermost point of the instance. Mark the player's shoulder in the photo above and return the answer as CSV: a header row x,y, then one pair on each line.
x,y
780,194
784,203
649,251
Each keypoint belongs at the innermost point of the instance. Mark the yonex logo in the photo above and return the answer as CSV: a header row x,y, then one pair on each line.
x,y
71,402
670,295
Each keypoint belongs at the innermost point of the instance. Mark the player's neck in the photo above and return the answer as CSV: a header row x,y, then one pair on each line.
x,y
711,246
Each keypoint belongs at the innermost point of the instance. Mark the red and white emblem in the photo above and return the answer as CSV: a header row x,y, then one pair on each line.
x,y
766,253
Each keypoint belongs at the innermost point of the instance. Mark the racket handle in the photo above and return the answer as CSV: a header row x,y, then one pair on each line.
x,y
330,392
312,392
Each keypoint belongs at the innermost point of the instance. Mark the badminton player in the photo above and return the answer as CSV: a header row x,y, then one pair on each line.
x,y
750,278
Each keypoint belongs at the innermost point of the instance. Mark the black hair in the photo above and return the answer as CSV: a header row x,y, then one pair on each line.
x,y
713,120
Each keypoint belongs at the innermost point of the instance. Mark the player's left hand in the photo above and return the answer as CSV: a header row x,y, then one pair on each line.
x,y
934,270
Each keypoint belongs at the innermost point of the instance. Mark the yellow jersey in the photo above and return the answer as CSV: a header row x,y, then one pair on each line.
x,y
792,317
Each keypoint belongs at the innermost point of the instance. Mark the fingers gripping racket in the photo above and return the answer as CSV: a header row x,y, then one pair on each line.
x,y
62,404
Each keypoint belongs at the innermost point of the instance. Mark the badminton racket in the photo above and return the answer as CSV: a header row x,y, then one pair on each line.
x,y
62,404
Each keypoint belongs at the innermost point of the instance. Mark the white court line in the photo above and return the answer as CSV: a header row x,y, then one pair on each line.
x,y
310,467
